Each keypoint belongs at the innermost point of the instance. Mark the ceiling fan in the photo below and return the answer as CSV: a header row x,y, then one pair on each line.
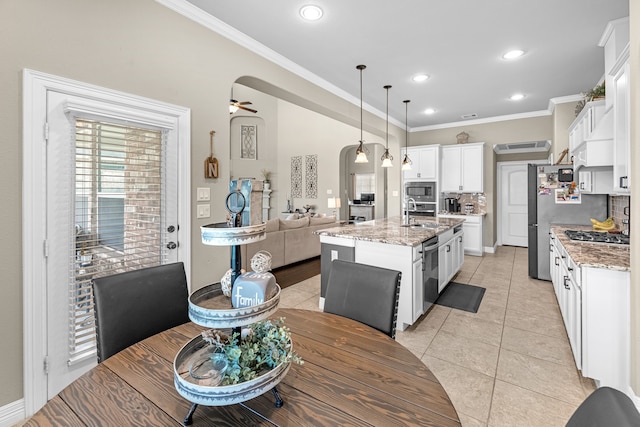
x,y
235,105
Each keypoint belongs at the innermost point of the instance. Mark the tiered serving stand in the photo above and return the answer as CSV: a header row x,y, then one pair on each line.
x,y
209,307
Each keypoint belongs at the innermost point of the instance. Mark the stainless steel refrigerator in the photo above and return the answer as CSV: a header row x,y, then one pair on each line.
x,y
552,200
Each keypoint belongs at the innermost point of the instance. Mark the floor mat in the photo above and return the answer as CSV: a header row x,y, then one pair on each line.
x,y
461,296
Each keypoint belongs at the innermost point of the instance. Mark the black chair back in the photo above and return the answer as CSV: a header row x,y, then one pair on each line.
x,y
364,293
135,305
606,407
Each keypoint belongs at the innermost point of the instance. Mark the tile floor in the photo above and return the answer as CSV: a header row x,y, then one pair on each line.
x,y
510,364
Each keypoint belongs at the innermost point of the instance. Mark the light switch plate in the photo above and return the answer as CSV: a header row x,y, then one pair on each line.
x,y
329,191
203,194
395,193
204,211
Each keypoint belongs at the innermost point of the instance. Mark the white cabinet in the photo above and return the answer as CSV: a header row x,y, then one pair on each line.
x,y
584,125
425,159
594,303
473,227
462,168
595,180
621,127
418,289
450,255
566,284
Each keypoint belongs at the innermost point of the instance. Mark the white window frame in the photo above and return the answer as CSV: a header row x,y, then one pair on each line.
x,y
35,87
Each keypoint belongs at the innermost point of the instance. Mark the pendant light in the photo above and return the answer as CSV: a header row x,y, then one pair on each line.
x,y
386,157
361,154
406,162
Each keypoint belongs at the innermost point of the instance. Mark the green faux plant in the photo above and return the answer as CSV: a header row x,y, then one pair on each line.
x,y
597,92
259,348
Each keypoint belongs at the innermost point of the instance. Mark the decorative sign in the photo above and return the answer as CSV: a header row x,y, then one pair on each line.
x,y
248,142
296,177
311,162
211,163
253,288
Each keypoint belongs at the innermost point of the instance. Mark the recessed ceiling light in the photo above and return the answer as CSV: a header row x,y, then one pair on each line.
x,y
311,12
429,111
420,78
516,97
513,54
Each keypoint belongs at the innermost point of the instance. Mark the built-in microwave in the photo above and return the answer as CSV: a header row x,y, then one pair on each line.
x,y
420,191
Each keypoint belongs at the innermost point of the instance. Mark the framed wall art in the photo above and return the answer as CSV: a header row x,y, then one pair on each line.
x,y
248,142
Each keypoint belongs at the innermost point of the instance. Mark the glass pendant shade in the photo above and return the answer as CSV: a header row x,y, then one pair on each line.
x,y
406,163
361,155
386,159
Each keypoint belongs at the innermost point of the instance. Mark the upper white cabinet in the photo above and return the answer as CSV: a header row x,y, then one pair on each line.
x,y
463,168
621,125
589,125
425,159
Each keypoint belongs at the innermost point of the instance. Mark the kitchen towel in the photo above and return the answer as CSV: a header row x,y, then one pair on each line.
x,y
461,296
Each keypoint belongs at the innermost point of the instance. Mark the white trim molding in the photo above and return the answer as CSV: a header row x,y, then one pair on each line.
x,y
34,111
12,413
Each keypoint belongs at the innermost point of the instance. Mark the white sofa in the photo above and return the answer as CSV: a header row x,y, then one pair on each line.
x,y
289,241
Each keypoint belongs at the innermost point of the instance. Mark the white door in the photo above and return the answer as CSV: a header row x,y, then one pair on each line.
x,y
513,204
70,323
58,324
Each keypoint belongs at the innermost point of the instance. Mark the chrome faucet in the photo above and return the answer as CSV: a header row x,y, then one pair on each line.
x,y
405,219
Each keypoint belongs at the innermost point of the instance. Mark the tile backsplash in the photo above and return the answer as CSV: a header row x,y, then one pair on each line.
x,y
617,205
479,201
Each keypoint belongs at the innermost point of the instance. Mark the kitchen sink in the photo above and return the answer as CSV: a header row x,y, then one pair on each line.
x,y
430,225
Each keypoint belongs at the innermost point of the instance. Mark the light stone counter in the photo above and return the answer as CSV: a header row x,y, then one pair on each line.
x,y
390,231
595,255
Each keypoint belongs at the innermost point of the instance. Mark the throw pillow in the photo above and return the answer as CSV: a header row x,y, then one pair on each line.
x,y
321,220
294,223
273,225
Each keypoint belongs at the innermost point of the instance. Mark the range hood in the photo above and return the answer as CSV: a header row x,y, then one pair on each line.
x,y
522,147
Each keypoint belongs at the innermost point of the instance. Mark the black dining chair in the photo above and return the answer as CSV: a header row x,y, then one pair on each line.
x,y
135,305
605,407
365,293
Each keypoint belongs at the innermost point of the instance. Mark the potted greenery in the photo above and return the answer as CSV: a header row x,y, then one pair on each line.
x,y
597,92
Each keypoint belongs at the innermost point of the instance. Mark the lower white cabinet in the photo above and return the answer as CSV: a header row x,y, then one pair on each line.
x,y
473,233
450,255
594,303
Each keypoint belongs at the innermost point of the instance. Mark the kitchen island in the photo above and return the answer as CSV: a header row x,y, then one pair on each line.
x,y
389,244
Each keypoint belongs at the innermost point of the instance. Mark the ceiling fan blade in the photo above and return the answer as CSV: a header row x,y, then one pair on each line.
x,y
248,109
244,103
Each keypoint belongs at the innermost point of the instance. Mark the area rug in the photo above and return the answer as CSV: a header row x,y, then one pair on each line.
x,y
461,296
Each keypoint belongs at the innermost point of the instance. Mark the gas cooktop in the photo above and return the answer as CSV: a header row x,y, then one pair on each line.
x,y
597,237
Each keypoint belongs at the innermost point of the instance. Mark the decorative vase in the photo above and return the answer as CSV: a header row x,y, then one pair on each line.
x,y
267,185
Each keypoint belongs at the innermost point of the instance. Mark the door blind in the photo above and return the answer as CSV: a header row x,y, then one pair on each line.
x,y
118,214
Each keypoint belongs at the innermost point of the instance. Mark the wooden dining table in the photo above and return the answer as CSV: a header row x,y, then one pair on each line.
x,y
352,375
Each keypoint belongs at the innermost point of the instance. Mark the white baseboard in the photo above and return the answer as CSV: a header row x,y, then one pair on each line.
x,y
491,249
12,413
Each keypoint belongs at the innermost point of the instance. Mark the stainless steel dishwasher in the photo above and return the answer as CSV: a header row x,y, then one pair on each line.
x,y
430,272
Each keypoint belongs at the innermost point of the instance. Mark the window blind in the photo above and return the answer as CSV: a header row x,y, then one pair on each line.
x,y
118,214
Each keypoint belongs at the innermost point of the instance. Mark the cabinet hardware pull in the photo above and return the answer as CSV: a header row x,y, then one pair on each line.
x,y
556,261
565,282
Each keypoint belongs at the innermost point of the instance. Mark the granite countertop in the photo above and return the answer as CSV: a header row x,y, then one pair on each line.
x,y
595,255
448,214
389,230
